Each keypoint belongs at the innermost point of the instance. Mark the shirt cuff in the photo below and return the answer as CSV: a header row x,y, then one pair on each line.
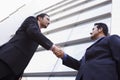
x,y
52,47
64,57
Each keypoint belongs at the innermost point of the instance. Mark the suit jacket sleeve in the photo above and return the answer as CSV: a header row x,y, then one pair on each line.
x,y
71,62
34,33
115,49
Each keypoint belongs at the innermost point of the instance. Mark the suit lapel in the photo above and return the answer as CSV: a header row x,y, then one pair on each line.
x,y
95,42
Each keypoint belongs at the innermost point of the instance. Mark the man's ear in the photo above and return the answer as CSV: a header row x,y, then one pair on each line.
x,y
39,18
100,30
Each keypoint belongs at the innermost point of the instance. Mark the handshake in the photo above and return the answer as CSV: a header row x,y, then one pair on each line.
x,y
58,51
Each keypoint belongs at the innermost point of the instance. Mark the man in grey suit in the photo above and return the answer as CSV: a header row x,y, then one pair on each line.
x,y
18,51
101,60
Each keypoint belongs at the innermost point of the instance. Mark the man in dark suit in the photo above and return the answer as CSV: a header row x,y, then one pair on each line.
x,y
18,51
101,60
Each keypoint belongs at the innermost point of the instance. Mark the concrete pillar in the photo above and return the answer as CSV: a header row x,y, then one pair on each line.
x,y
115,23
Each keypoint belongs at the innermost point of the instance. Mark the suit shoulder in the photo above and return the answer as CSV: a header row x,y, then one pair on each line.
x,y
114,36
31,17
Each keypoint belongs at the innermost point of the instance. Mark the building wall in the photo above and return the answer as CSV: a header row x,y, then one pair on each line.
x,y
71,24
115,17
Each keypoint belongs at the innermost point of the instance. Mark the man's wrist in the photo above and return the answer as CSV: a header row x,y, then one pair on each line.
x,y
52,48
64,56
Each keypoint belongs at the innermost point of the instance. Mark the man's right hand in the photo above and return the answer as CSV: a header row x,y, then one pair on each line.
x,y
58,51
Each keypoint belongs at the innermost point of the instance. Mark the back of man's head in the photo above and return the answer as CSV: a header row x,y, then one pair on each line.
x,y
42,15
103,26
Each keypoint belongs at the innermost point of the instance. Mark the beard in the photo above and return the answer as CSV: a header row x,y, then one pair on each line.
x,y
93,37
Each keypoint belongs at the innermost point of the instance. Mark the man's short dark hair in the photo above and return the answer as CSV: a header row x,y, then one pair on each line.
x,y
42,15
103,26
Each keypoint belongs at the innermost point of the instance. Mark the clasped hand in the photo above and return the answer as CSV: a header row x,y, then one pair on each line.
x,y
58,51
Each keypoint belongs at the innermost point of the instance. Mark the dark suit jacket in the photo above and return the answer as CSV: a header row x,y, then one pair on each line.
x,y
100,62
18,51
